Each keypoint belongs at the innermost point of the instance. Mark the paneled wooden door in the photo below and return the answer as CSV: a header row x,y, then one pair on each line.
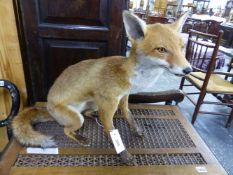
x,y
57,33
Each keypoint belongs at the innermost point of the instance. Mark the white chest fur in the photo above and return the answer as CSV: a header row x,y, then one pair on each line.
x,y
147,72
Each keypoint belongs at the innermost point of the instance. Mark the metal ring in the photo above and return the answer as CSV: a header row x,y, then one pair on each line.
x,y
15,97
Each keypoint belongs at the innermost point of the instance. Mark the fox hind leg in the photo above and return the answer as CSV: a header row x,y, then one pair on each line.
x,y
71,119
90,110
70,132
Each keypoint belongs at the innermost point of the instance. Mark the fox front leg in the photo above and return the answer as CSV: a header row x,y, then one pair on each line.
x,y
123,106
107,110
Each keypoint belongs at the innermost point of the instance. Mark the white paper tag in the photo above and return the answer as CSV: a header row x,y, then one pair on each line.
x,y
32,150
1,83
116,140
201,169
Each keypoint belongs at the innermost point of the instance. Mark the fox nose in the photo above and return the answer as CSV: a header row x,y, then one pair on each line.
x,y
187,70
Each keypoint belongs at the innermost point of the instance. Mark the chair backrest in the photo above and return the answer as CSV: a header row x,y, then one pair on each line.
x,y
157,19
206,26
202,49
191,23
200,26
212,26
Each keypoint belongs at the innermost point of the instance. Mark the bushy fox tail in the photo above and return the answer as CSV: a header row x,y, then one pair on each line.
x,y
23,130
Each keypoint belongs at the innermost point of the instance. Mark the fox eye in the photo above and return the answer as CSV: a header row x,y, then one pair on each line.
x,y
161,49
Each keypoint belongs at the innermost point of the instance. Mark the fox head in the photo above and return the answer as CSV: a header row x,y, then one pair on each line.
x,y
161,44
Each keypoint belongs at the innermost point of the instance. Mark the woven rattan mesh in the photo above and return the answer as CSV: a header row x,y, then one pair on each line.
x,y
35,160
145,112
159,132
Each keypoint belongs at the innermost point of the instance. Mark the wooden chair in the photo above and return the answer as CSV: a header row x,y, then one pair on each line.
x,y
191,24
230,66
186,27
206,26
212,27
206,80
157,19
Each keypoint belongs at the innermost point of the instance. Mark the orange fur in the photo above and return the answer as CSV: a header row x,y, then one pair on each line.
x,y
22,127
166,37
104,84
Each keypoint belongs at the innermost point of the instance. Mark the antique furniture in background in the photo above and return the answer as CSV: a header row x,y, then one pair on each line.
x,y
228,8
157,19
56,34
201,5
160,7
228,34
207,17
204,78
212,27
203,23
172,9
205,26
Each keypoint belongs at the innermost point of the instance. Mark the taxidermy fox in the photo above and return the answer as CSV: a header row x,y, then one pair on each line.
x,y
104,84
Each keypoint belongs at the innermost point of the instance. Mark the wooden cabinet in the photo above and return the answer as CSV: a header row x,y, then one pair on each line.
x,y
228,34
55,34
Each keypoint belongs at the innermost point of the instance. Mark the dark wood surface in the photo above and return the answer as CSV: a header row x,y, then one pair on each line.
x,y
212,166
154,97
157,19
228,34
56,34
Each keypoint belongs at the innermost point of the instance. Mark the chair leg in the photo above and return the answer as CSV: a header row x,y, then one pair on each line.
x,y
182,83
230,119
169,103
198,105
229,68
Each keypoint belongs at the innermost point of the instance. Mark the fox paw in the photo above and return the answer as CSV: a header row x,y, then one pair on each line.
x,y
48,143
83,140
90,114
139,133
127,158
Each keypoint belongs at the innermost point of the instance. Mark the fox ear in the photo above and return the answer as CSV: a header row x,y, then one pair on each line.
x,y
134,26
180,22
